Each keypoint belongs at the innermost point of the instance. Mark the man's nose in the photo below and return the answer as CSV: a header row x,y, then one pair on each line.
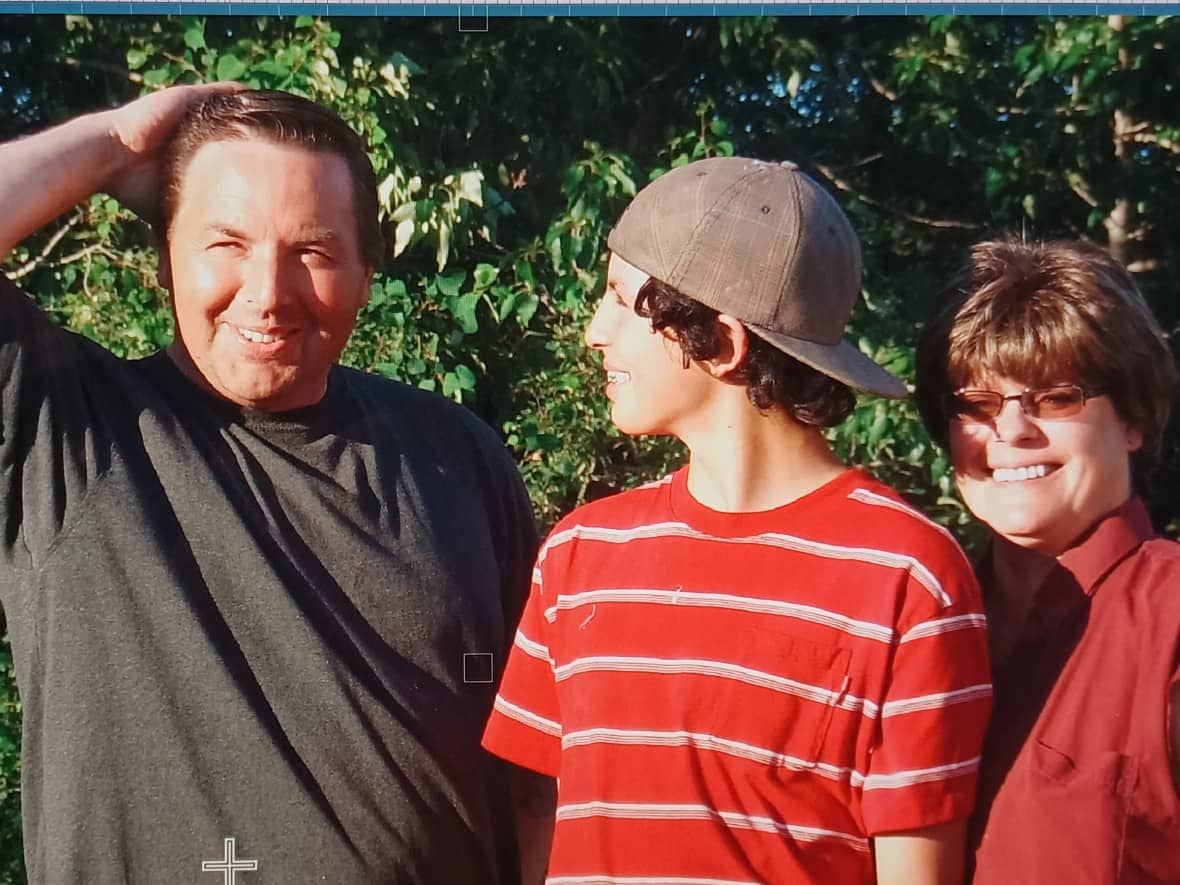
x,y
265,281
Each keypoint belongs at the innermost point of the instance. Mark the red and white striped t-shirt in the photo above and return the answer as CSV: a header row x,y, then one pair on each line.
x,y
746,698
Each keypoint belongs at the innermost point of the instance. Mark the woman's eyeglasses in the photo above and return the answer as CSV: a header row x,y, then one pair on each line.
x,y
1060,401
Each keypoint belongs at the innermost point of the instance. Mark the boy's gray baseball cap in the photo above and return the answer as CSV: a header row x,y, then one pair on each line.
x,y
763,243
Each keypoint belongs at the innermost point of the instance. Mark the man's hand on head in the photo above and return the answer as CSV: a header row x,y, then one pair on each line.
x,y
117,152
138,131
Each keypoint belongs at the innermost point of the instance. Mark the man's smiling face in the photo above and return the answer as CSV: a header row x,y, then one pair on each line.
x,y
265,271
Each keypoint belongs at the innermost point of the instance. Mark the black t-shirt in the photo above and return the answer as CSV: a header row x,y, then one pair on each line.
x,y
277,629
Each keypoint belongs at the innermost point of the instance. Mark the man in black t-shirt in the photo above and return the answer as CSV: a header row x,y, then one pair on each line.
x,y
257,601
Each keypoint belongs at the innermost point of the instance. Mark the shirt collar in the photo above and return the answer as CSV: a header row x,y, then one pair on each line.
x,y
1078,572
1107,544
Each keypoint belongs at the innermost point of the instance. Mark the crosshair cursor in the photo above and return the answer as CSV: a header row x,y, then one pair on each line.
x,y
229,866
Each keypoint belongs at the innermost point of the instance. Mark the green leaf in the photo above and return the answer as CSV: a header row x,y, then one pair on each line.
x,y
471,187
485,275
158,76
524,273
402,235
507,303
194,37
399,60
444,245
452,283
230,67
463,310
466,377
526,309
793,83
403,212
136,59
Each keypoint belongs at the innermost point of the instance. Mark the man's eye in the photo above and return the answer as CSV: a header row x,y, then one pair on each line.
x,y
315,254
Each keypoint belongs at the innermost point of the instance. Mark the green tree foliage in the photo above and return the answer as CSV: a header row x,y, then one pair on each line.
x,y
504,157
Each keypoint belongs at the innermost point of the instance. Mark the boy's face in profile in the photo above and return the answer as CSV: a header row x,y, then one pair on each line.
x,y
651,391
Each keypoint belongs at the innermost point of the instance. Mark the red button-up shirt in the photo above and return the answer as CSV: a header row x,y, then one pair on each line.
x,y
1076,784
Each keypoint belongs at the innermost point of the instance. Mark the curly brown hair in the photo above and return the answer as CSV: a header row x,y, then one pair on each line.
x,y
772,378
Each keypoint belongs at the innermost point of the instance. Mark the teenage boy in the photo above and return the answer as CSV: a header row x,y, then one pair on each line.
x,y
765,668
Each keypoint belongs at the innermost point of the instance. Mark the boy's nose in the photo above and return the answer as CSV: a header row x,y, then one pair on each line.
x,y
596,329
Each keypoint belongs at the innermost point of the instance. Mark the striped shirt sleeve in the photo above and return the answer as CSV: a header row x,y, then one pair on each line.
x,y
924,767
525,725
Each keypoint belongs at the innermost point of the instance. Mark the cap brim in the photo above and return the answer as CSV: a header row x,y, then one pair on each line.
x,y
841,361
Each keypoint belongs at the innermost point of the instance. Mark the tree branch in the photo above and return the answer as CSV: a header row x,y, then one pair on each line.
x,y
1142,137
1144,266
1119,222
881,89
84,252
856,164
33,263
1078,186
842,185
133,76
1058,112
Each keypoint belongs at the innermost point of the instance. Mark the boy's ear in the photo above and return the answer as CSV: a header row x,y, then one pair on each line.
x,y
735,345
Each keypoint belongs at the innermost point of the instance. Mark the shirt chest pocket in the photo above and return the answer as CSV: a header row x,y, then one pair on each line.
x,y
1073,814
780,695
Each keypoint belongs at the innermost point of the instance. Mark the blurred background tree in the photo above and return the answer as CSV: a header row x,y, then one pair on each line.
x,y
504,157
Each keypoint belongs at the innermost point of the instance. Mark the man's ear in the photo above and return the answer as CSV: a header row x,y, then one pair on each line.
x,y
735,345
368,290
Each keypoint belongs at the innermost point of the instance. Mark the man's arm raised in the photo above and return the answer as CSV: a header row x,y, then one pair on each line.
x,y
116,152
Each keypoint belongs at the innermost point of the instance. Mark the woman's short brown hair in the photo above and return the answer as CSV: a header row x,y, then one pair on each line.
x,y
772,378
1049,313
284,119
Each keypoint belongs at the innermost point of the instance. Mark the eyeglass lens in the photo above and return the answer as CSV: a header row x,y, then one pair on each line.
x,y
1048,402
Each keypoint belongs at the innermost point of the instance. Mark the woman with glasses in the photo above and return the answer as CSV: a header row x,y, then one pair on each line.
x,y
1045,375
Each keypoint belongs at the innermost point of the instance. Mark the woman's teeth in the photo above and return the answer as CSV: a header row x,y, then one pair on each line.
x,y
1019,474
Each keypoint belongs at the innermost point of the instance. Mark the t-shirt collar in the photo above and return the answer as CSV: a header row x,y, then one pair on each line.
x,y
307,422
791,517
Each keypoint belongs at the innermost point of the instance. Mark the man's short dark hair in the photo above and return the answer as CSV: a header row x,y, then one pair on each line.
x,y
771,377
284,119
